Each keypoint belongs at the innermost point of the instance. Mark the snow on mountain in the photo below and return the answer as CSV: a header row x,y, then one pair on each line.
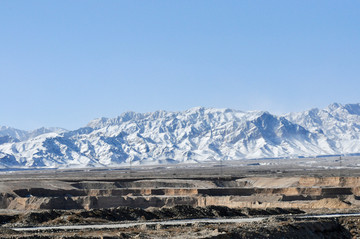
x,y
13,133
340,123
198,134
43,130
21,135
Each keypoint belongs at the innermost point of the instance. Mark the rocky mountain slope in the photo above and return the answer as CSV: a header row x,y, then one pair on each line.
x,y
198,134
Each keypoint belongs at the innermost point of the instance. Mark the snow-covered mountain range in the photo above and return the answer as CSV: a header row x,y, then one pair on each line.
x,y
196,135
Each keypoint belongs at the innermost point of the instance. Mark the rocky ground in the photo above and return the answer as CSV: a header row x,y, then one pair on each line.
x,y
128,214
147,201
272,227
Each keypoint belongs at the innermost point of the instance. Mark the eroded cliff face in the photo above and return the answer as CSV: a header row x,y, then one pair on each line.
x,y
252,192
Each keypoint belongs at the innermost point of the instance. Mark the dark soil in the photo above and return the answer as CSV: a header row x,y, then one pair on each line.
x,y
306,229
71,217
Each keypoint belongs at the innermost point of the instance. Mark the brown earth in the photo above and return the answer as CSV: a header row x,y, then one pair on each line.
x,y
253,192
274,227
94,197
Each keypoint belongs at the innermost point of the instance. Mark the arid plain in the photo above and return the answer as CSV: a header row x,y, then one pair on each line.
x,y
294,198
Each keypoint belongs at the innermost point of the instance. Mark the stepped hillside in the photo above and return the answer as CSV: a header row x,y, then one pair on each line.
x,y
196,135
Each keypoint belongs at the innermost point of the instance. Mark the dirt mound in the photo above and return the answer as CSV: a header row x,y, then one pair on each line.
x,y
118,214
95,185
35,218
167,183
329,181
264,182
185,211
329,203
8,218
272,227
352,225
252,192
68,217
314,229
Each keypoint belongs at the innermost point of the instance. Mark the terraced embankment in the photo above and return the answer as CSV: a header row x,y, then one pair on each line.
x,y
249,192
150,196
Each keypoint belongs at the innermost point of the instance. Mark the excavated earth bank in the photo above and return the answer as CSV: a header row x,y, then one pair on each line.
x,y
98,197
250,192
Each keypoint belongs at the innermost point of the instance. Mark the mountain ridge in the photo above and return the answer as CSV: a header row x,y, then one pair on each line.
x,y
195,135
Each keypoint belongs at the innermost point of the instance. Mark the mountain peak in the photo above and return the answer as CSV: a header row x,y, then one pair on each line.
x,y
334,106
98,122
195,135
353,109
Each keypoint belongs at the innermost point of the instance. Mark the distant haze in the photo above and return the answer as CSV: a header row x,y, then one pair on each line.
x,y
63,63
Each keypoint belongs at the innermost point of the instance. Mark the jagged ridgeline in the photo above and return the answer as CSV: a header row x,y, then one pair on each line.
x,y
195,135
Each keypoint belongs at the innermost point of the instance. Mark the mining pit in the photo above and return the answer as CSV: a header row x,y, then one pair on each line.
x,y
253,201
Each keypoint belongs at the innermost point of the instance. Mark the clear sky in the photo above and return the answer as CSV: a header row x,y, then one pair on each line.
x,y
64,63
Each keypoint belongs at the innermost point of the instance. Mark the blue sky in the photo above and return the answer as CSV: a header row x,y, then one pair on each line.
x,y
64,63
